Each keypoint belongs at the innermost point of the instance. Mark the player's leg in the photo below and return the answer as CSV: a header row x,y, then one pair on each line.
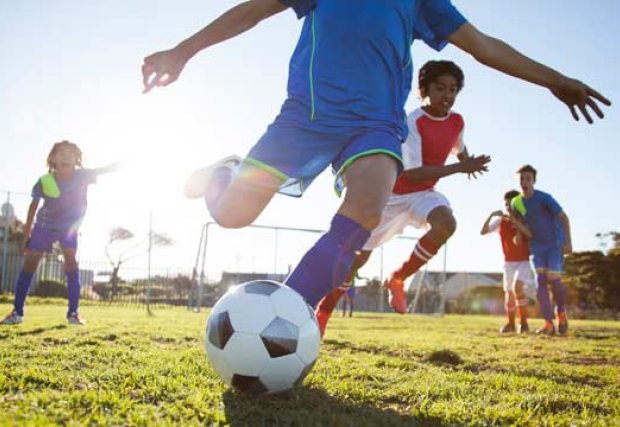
x,y
369,180
524,278
442,225
509,298
72,272
558,289
31,262
539,259
40,241
326,306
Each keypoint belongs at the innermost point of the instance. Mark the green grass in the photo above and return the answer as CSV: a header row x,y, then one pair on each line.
x,y
126,368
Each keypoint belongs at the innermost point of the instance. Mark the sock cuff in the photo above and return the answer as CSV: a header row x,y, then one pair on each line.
x,y
427,247
348,233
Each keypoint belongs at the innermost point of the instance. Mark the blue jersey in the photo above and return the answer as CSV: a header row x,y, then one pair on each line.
x,y
352,65
541,215
64,212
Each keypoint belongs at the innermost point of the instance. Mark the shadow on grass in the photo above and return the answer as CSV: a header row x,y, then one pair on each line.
x,y
36,331
314,407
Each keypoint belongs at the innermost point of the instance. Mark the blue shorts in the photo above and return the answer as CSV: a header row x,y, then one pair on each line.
x,y
42,239
298,154
549,257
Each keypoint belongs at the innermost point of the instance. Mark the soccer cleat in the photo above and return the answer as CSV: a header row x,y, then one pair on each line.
x,y
74,319
524,328
198,182
322,317
397,298
508,328
562,323
12,319
546,330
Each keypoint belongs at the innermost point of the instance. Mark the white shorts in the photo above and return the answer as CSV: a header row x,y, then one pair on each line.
x,y
517,271
403,210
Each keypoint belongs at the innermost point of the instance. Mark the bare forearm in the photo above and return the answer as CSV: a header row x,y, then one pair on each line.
x,y
503,57
566,228
232,23
424,173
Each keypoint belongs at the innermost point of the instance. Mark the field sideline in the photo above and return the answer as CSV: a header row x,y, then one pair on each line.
x,y
126,368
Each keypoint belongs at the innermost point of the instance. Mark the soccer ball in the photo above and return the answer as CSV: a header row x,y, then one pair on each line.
x,y
262,337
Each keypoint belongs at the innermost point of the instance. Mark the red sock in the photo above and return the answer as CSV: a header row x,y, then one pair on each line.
x,y
424,250
329,302
522,310
510,313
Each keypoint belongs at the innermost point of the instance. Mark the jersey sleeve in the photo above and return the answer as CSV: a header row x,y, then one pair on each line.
x,y
552,205
436,21
412,147
459,145
301,7
37,190
494,224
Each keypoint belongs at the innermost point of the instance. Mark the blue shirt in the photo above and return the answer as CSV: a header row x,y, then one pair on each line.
x,y
66,211
352,65
541,216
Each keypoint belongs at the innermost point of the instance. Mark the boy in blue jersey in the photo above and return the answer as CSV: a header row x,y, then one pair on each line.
x,y
63,191
349,77
550,239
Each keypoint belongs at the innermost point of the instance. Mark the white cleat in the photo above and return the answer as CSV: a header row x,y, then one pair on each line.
x,y
198,182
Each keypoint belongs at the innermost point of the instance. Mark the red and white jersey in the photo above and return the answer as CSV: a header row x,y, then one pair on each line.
x,y
507,232
429,143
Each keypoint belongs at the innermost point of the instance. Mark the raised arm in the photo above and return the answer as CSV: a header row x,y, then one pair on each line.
x,y
487,222
109,168
163,68
502,57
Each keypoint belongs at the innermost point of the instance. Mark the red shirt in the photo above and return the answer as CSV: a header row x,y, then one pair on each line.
x,y
513,252
430,141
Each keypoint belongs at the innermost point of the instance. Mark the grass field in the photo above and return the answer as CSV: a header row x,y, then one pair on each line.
x,y
128,368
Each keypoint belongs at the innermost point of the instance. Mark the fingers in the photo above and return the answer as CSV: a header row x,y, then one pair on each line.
x,y
593,93
573,112
594,106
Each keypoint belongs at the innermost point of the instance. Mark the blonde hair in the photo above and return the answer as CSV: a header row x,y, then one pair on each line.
x,y
68,145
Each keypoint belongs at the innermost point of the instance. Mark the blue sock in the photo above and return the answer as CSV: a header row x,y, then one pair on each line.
x,y
543,297
329,261
559,294
73,291
21,291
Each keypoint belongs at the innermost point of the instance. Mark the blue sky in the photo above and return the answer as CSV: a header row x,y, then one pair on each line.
x,y
71,70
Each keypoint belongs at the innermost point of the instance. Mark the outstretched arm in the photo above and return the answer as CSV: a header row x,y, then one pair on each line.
x,y
469,165
109,168
163,68
502,57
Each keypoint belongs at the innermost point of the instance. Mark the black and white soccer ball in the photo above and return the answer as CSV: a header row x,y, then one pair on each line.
x,y
262,337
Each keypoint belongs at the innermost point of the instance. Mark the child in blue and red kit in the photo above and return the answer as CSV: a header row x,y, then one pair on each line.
x,y
550,240
63,191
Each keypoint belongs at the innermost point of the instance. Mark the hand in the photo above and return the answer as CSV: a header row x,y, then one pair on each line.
x,y
162,68
497,213
475,164
24,243
575,95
